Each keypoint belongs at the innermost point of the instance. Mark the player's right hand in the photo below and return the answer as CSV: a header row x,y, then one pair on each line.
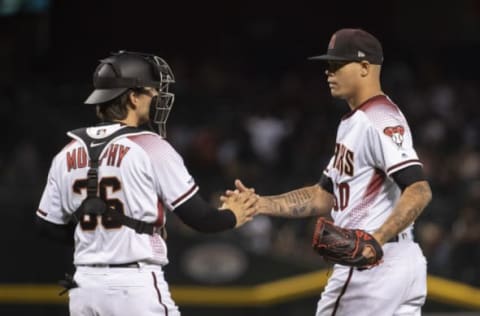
x,y
242,204
240,188
263,205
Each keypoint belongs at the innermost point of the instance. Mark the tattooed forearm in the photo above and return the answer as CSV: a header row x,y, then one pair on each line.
x,y
303,202
298,197
411,204
294,203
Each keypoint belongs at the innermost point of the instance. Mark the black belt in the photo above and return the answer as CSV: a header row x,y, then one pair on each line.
x,y
394,239
111,265
401,236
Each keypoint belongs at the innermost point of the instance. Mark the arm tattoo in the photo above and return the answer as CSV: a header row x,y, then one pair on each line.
x,y
296,203
411,204
298,197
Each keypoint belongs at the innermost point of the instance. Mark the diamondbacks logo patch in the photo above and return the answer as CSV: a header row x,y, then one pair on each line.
x,y
395,133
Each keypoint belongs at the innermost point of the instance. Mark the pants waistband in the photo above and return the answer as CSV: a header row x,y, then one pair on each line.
x,y
111,265
400,237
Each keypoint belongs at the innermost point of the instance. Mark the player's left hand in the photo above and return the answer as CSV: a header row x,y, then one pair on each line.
x,y
368,252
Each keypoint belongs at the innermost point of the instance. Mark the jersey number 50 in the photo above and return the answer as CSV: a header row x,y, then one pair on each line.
x,y
341,202
89,222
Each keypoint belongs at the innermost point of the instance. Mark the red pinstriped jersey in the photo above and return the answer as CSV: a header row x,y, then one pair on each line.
x,y
372,143
140,174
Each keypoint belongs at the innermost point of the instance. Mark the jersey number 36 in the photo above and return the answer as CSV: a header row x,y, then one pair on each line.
x,y
89,222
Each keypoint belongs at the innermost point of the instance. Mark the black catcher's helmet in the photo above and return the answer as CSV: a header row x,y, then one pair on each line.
x,y
125,70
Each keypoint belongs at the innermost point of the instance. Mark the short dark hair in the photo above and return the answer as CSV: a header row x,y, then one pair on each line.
x,y
116,109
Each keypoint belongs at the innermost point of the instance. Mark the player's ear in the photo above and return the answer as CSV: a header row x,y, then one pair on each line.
x,y
365,68
133,99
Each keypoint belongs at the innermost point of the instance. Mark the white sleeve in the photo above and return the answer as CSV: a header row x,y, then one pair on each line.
x,y
50,208
176,185
391,148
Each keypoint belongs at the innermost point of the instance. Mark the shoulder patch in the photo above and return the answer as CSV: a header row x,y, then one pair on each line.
x,y
395,133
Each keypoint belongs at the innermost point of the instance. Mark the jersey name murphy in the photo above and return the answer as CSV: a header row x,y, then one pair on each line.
x,y
166,184
343,160
77,157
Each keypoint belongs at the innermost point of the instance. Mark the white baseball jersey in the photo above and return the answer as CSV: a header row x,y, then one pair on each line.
x,y
372,142
139,174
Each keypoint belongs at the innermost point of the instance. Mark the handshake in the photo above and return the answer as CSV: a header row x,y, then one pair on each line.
x,y
243,202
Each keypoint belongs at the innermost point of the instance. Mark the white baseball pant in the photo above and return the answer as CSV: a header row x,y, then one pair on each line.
x,y
121,291
396,287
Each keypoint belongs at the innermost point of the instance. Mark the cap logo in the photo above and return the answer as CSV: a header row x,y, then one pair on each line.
x,y
331,45
361,54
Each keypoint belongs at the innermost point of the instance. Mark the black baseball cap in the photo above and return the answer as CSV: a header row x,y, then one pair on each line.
x,y
353,45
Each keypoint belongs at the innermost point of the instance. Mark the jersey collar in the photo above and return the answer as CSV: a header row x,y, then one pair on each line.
x,y
364,105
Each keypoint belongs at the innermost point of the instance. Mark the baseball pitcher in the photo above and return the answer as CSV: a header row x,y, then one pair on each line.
x,y
373,187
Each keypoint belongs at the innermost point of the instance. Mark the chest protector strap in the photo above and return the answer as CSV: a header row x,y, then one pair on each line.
x,y
92,204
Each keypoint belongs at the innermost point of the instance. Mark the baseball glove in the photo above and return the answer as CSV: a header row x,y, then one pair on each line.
x,y
345,246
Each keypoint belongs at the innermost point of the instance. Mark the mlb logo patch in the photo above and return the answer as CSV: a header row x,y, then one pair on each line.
x,y
395,133
101,132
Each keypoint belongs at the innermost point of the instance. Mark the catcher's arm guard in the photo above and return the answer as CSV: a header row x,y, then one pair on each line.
x,y
345,246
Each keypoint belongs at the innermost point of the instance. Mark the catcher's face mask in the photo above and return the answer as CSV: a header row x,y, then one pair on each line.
x,y
161,104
